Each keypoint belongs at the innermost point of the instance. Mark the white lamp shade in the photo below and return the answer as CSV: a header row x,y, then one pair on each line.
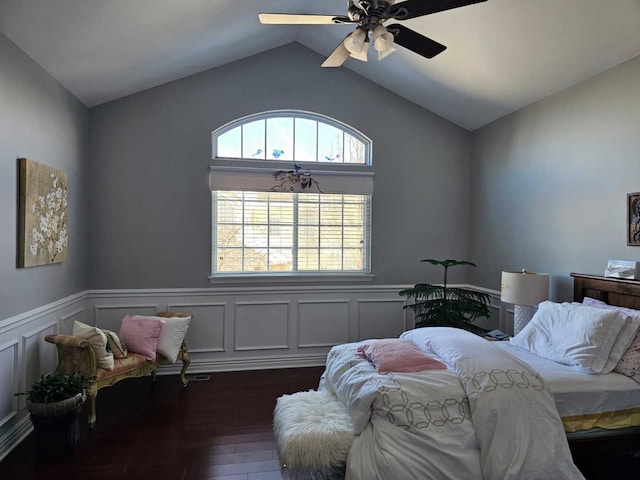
x,y
524,288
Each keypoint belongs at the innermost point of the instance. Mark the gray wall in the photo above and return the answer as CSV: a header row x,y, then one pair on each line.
x,y
550,182
42,121
150,204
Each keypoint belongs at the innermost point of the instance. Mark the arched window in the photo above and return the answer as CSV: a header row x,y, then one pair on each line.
x,y
291,195
291,135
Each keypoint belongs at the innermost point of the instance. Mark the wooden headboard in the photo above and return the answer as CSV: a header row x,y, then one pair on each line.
x,y
614,291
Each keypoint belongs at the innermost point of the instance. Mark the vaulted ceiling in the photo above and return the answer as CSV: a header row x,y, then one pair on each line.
x,y
502,54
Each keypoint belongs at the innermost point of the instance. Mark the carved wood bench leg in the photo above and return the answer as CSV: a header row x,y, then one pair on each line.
x,y
92,393
186,361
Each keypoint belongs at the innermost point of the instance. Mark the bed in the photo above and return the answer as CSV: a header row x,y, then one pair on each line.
x,y
459,422
601,443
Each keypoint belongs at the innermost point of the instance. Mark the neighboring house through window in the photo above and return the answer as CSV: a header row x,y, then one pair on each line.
x,y
291,195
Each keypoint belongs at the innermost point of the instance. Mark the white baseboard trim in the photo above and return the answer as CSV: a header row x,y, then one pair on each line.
x,y
14,436
240,364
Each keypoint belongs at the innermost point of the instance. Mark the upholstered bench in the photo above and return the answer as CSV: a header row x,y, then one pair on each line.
x,y
76,354
313,433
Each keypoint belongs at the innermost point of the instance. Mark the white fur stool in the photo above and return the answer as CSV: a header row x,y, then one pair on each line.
x,y
313,435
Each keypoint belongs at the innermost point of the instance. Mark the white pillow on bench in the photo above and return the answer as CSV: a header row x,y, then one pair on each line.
x,y
98,341
172,335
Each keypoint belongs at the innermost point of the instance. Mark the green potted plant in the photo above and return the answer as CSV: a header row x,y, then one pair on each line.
x,y
55,402
443,306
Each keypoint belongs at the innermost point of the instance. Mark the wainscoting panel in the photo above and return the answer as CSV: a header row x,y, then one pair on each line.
x,y
207,328
65,322
9,377
322,323
236,328
380,318
110,316
261,325
37,355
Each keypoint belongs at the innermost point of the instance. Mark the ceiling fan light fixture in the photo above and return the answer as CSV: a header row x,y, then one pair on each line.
x,y
385,53
382,39
383,42
361,55
357,45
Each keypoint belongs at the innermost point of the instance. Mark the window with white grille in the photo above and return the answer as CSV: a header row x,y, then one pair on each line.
x,y
264,226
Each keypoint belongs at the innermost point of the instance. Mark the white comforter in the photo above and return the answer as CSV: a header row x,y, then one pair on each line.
x,y
419,425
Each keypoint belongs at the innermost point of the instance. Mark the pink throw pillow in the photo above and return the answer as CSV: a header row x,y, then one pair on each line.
x,y
141,335
398,355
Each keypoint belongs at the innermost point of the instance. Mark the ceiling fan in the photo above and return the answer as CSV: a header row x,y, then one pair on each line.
x,y
370,15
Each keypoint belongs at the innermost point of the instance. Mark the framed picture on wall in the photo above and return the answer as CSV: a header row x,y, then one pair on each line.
x,y
633,219
43,215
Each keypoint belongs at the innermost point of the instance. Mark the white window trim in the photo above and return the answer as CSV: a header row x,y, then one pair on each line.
x,y
330,275
250,174
271,277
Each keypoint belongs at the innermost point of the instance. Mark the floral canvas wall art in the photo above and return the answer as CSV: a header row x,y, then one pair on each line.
x,y
43,232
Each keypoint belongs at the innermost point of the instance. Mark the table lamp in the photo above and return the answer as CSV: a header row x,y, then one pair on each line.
x,y
525,290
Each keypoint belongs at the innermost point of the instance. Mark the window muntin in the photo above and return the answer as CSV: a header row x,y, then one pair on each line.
x,y
275,232
291,135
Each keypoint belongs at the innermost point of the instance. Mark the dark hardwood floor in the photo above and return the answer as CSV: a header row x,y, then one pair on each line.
x,y
214,429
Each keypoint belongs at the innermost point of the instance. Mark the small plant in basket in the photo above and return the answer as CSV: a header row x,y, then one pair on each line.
x,y
55,401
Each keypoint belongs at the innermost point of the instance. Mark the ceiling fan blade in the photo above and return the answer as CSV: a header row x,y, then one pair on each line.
x,y
301,19
414,41
337,57
417,8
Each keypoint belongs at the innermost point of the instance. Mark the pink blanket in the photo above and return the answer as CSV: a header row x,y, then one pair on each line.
x,y
398,355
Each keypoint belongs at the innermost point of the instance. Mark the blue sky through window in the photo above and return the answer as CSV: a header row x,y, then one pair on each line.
x,y
289,137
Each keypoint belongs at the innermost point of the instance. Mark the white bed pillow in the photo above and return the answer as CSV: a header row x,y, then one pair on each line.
x,y
594,302
98,341
572,334
628,362
171,336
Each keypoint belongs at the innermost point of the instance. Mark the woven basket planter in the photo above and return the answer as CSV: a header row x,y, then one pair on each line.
x,y
57,409
56,425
